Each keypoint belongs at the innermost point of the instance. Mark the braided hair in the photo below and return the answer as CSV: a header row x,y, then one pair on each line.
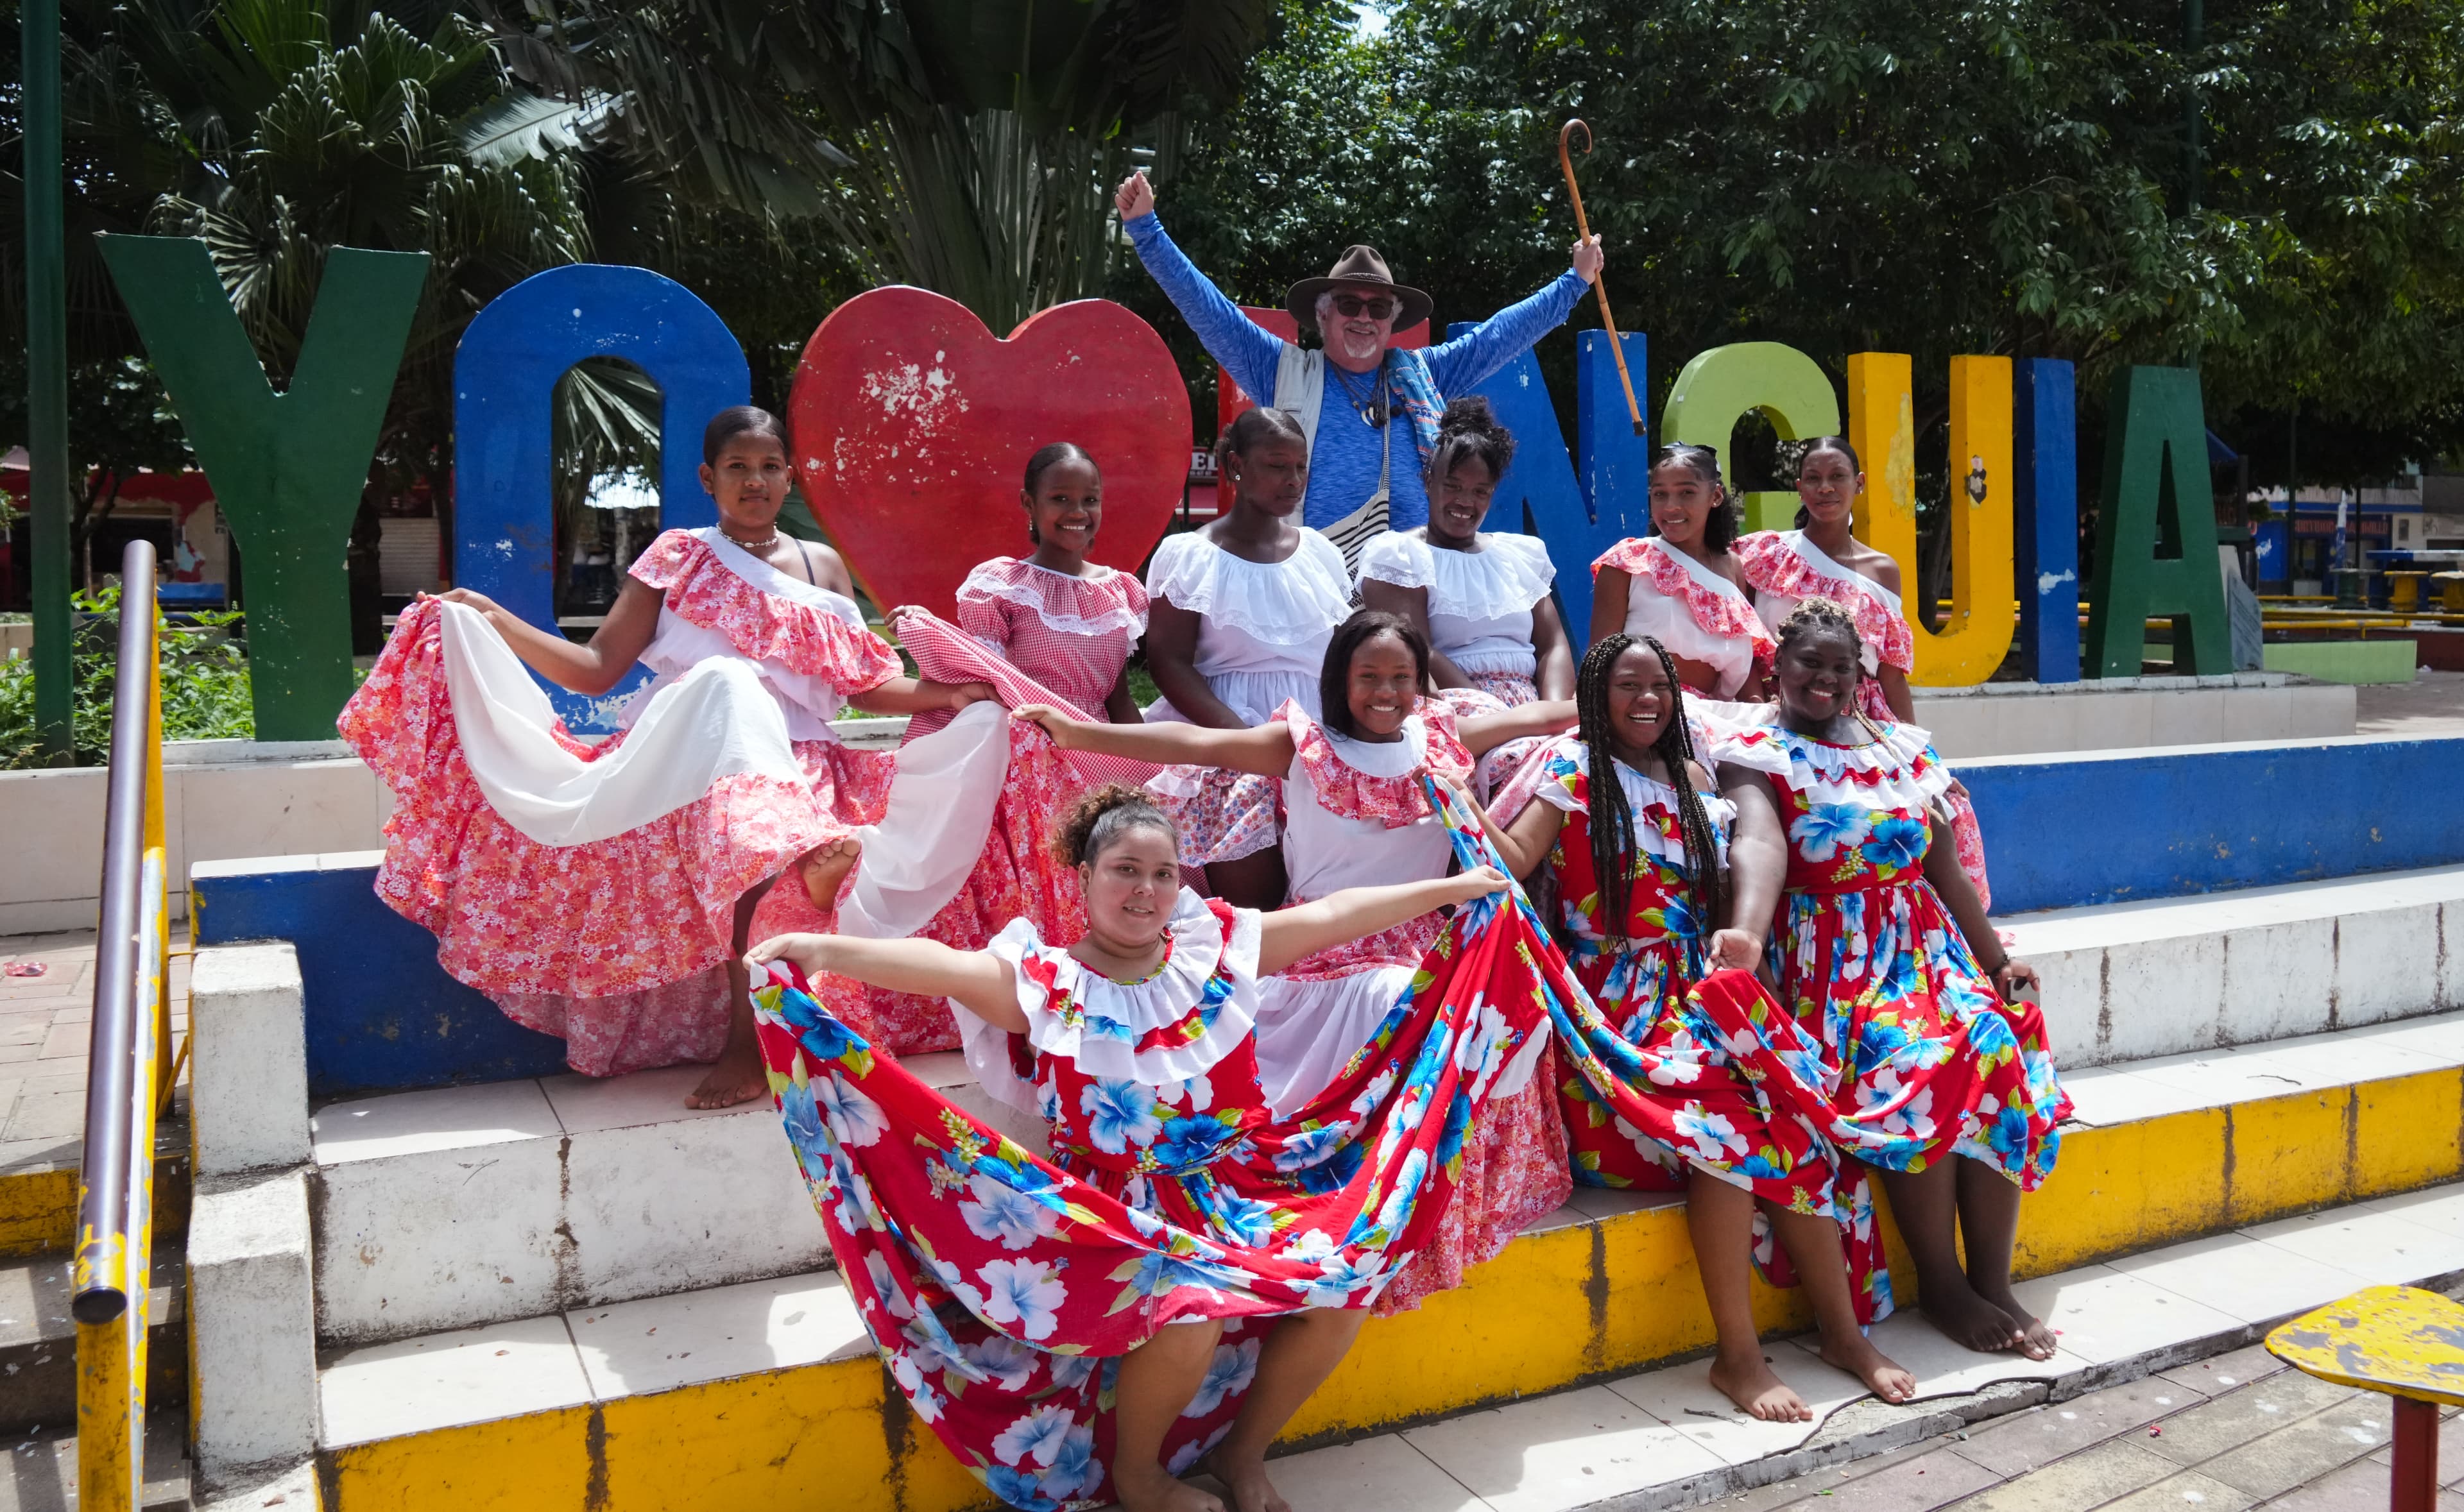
x,y
1612,821
1815,615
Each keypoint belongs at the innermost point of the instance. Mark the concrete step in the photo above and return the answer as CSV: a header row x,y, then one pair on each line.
x,y
38,1342
761,1390
43,1468
455,1207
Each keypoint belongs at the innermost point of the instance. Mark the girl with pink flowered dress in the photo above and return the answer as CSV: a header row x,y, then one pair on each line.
x,y
1190,1264
1481,598
1882,951
1239,617
1357,814
1681,586
1047,627
604,893
1823,558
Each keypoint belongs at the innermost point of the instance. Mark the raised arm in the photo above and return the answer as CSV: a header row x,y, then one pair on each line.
x,y
1481,733
1296,934
1609,589
1458,365
590,669
977,980
1172,661
1757,871
1266,749
1248,350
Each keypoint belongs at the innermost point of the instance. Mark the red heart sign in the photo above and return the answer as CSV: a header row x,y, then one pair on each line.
x,y
912,426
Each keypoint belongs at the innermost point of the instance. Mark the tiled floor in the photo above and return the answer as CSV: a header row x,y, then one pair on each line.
x,y
44,1024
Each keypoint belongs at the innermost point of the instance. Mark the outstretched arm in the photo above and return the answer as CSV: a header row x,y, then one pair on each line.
x,y
590,669
1459,365
1266,749
977,980
913,695
1296,934
1481,733
1248,350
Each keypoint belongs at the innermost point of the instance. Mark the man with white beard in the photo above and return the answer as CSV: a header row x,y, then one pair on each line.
x,y
1355,394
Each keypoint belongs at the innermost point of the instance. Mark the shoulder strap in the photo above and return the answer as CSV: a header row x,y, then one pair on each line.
x,y
1300,388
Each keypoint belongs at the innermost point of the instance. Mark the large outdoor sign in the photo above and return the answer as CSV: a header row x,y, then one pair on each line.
x,y
910,423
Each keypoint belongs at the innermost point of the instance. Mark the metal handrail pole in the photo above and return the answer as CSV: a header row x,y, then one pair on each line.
x,y
104,1206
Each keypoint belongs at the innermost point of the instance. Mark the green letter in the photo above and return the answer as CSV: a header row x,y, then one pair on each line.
x,y
2156,532
287,469
1716,389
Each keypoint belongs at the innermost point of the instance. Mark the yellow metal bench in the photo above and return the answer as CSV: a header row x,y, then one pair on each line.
x,y
2398,1339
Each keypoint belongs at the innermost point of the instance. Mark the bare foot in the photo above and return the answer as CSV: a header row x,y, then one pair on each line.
x,y
1856,1356
825,867
1244,1476
1967,1319
1749,1381
738,1077
2038,1342
1149,1489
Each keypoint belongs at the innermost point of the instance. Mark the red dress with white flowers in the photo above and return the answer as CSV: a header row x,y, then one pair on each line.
x,y
619,945
1356,815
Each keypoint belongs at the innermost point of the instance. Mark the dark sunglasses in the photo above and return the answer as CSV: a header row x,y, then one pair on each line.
x,y
1377,307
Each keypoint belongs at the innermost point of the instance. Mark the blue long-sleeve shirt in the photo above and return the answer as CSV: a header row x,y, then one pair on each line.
x,y
1343,465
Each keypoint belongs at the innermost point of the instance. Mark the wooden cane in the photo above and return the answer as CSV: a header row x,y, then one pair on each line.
x,y
1599,285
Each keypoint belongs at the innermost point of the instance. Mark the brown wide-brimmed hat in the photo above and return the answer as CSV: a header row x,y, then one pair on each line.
x,y
1358,264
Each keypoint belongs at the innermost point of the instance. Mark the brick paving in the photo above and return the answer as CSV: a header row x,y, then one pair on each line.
x,y
45,1022
2236,1431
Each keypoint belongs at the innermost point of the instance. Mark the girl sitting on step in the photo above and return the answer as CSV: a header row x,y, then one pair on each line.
x,y
1883,954
1657,879
1087,1328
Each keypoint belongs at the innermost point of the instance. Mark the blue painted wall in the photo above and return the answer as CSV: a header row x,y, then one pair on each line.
x,y
2075,830
381,1012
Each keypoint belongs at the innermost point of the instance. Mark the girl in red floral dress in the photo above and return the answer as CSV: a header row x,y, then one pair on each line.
x,y
604,893
1356,813
1087,1328
1883,951
1049,628
1715,1093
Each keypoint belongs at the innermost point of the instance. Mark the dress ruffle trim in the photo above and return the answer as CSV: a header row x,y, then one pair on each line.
x,y
1197,1008
805,633
1093,605
1290,602
1899,764
1565,785
1773,563
1506,576
1717,606
1397,800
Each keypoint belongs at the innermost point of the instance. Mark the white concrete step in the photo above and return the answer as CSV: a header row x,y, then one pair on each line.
x,y
456,1207
2126,981
460,1205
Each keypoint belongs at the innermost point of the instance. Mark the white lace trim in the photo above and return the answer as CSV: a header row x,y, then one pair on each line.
x,y
1644,795
1898,769
1114,1015
988,582
1290,602
1507,576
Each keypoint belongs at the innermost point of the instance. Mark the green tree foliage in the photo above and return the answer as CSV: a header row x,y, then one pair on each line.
x,y
205,684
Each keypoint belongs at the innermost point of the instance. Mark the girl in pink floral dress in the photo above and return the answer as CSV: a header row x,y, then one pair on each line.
x,y
1190,1263
1680,586
1823,558
1882,952
1357,814
1241,613
604,893
1049,628
1482,599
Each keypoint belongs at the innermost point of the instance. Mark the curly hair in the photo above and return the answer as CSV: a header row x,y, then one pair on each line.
x,y
1817,614
1088,826
1469,430
1612,821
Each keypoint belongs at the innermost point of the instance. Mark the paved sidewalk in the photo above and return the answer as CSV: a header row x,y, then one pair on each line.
x,y
2236,1431
2430,705
45,1024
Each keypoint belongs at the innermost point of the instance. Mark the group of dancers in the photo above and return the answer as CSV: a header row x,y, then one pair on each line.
x,y
1256,956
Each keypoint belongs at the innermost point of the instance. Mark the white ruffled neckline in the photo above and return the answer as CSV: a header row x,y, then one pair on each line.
x,y
1013,579
1295,602
1896,768
1507,576
770,580
1113,1016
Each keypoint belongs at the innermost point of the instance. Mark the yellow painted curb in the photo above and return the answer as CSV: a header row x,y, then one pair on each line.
x,y
1595,1298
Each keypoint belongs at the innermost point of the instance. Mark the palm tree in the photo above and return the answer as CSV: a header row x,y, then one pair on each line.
x,y
963,146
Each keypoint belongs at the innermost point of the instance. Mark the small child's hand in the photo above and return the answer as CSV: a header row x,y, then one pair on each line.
x,y
810,954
